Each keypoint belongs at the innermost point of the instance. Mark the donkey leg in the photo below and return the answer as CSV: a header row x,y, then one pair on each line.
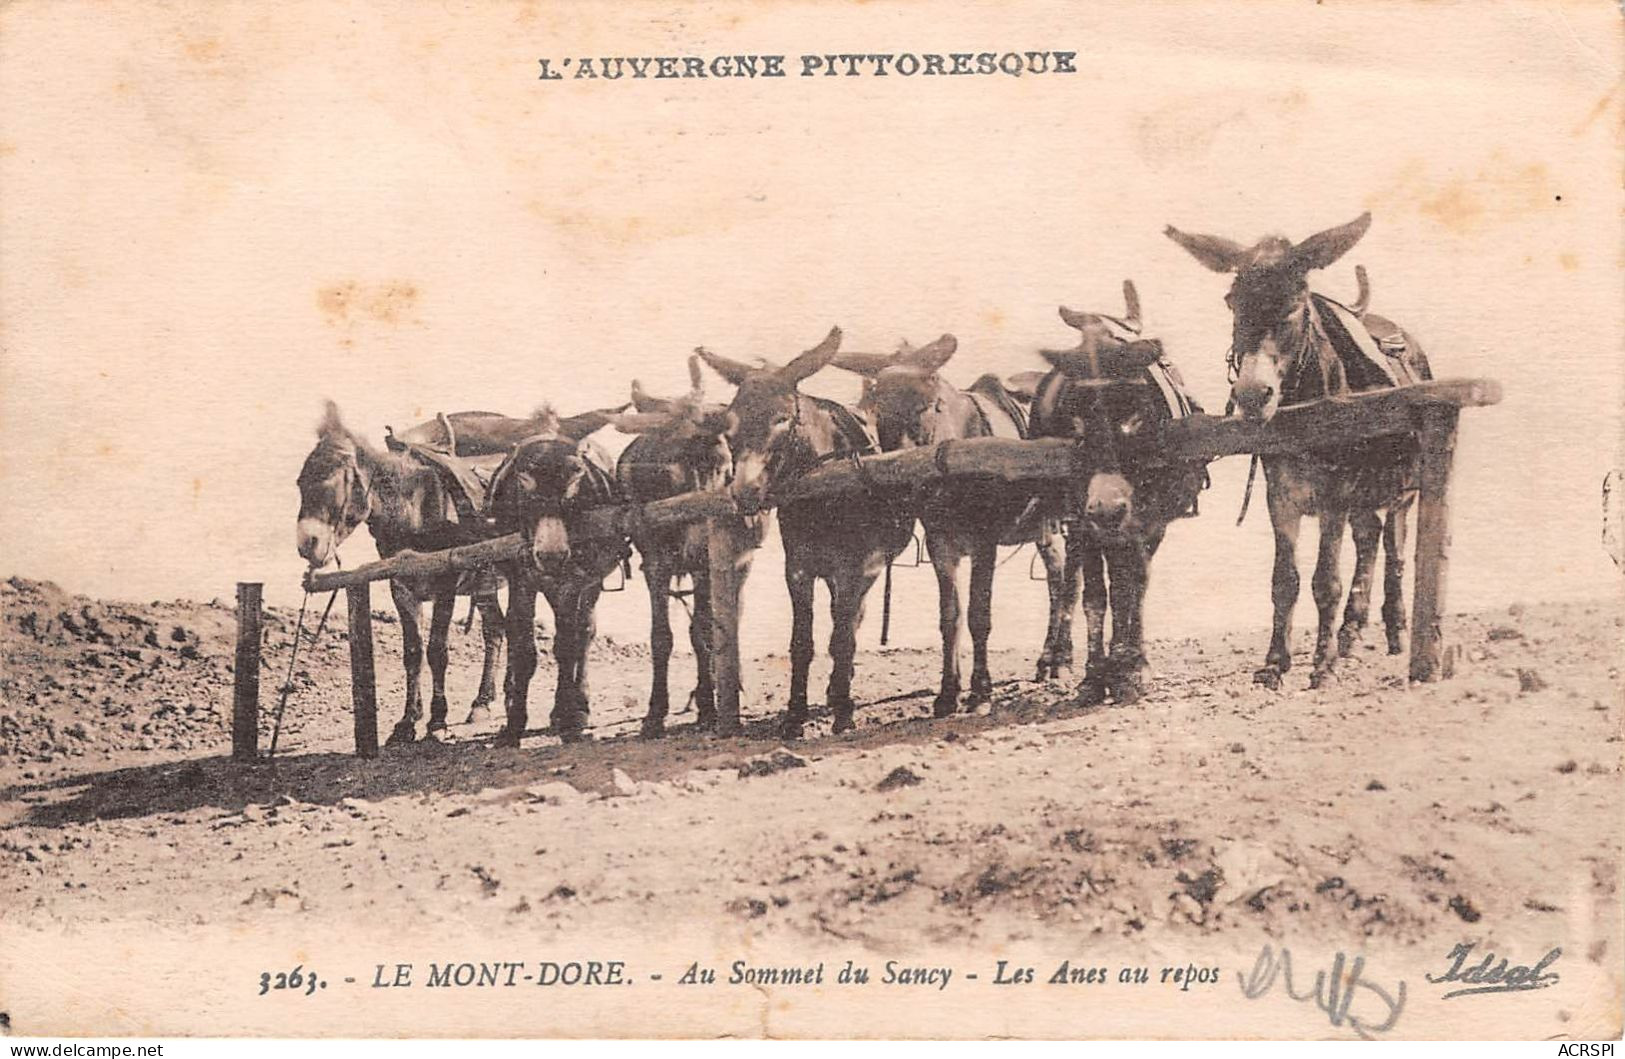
x,y
491,627
945,555
521,659
567,718
1327,587
1126,664
846,595
570,699
800,583
1057,654
699,636
1393,575
983,562
411,612
657,578
1366,526
1286,519
440,614
1084,557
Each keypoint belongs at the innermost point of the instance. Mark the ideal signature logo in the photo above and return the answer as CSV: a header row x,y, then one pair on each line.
x,y
1487,976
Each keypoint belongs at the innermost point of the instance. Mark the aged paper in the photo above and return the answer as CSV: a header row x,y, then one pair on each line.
x,y
216,217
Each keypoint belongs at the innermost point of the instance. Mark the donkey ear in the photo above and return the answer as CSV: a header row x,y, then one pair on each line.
x,y
1131,303
643,401
1322,248
811,361
930,358
1215,252
1073,318
734,371
869,364
579,426
1024,384
331,425
696,378
642,422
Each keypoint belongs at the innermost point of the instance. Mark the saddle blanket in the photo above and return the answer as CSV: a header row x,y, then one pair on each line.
x,y
1371,348
467,479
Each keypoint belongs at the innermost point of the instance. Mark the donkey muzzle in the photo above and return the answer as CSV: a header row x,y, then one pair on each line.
x,y
549,541
1254,400
314,540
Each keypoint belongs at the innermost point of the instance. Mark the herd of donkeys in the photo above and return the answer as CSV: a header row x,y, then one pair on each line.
x,y
471,476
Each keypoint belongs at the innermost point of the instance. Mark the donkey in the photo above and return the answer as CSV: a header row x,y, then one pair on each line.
x,y
406,504
681,448
1289,346
776,433
543,481
912,406
1113,393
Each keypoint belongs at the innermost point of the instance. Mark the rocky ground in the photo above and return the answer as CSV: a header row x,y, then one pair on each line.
x,y
1364,812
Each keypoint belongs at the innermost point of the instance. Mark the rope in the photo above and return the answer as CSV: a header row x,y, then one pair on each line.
x,y
293,658
885,609
1247,496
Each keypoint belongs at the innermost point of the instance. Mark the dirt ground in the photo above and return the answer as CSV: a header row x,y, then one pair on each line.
x,y
1365,812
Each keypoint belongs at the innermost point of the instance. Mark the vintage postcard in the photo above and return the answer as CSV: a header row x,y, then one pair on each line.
x,y
809,519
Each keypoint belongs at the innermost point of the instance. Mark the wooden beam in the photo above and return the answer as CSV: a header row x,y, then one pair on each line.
x,y
1196,439
728,563
245,698
363,684
1429,659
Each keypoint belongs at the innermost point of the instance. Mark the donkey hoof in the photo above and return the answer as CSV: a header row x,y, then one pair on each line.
x,y
508,737
1092,692
1127,691
653,728
437,724
403,734
1347,637
790,729
1396,643
1269,677
945,704
478,713
844,723
1322,677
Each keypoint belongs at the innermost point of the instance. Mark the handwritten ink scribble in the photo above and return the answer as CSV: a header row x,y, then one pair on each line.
x,y
1613,516
1487,976
1334,991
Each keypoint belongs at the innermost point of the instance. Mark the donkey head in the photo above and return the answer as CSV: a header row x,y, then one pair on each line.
x,y
534,489
903,394
761,419
335,494
697,428
1269,293
1100,397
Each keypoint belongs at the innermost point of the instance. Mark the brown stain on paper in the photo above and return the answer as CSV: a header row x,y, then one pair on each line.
x,y
1500,191
348,303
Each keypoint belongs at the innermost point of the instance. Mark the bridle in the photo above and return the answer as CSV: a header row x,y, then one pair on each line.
x,y
1309,342
354,481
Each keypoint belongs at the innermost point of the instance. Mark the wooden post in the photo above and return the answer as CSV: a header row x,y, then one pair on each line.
x,y
245,702
363,687
1429,661
726,560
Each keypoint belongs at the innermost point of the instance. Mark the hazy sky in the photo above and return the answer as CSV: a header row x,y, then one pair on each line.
x,y
214,216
